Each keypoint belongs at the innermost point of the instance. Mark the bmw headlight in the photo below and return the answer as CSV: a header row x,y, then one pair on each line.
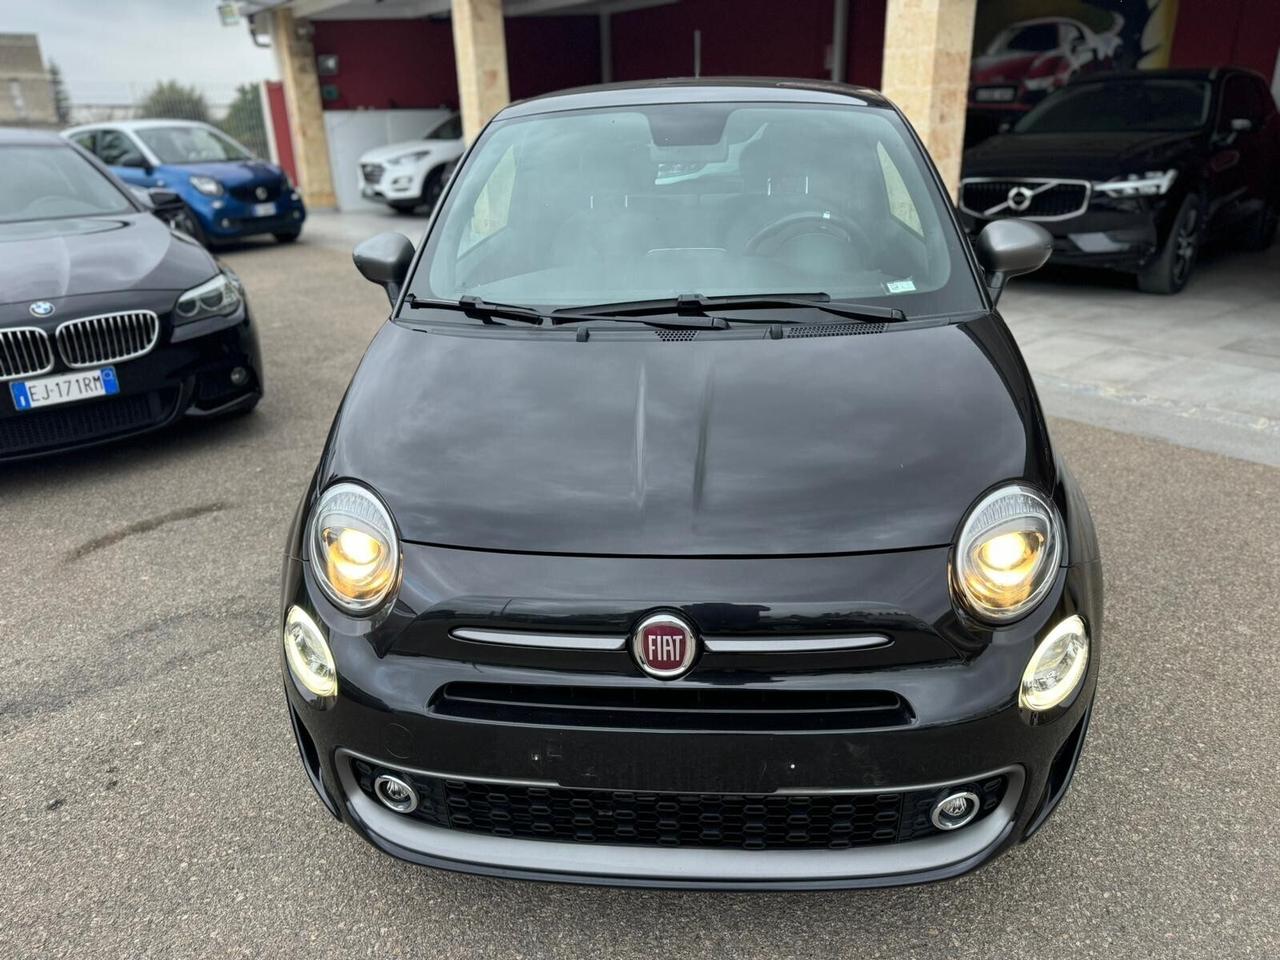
x,y
1008,553
213,298
354,548
208,186
1153,183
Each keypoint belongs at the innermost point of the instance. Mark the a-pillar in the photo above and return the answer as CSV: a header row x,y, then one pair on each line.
x,y
926,73
296,60
480,50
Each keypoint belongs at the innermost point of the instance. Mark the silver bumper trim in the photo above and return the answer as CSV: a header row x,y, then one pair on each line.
x,y
683,865
552,641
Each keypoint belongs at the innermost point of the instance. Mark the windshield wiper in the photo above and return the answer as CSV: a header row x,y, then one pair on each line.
x,y
696,303
481,310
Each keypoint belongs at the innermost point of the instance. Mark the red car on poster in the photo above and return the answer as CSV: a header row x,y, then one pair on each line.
x,y
1030,59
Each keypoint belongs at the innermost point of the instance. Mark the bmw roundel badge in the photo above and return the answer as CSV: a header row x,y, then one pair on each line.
x,y
41,308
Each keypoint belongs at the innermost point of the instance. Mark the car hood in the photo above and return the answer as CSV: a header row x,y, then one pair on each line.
x,y
393,150
230,173
711,447
1091,156
49,259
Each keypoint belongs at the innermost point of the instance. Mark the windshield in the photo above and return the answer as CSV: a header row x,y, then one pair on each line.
x,y
48,182
1131,105
649,202
450,129
190,144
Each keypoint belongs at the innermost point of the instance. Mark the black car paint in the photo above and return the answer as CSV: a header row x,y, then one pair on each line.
x,y
1232,176
87,266
543,483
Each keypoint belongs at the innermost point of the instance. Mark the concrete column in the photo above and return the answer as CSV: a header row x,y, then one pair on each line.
x,y
926,73
296,60
480,49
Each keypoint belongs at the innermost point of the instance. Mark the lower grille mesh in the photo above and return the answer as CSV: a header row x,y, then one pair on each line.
x,y
84,423
637,818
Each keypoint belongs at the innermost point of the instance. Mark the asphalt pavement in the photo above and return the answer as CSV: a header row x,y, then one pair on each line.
x,y
152,803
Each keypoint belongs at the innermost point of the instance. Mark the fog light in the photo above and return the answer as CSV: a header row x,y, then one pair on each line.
x,y
954,810
1057,667
239,376
225,223
308,655
396,794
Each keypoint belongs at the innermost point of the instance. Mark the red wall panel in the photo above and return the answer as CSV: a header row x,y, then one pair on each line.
x,y
278,117
384,64
1244,33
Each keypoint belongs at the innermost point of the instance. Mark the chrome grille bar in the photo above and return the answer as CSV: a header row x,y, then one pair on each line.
x,y
24,352
107,338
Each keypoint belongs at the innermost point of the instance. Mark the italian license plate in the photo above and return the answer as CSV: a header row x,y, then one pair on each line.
x,y
264,209
64,388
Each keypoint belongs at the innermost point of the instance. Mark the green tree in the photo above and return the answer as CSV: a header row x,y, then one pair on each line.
x,y
61,99
171,100
244,120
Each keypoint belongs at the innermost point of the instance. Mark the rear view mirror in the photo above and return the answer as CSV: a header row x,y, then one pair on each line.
x,y
1008,248
385,260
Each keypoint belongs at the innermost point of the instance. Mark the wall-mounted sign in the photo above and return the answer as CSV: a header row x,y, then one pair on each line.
x,y
327,64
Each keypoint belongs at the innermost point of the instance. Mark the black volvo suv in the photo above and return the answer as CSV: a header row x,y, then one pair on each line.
x,y
1132,172
693,521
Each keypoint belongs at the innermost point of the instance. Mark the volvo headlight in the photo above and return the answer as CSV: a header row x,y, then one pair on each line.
x,y
213,298
1057,666
1008,553
354,549
208,186
1153,183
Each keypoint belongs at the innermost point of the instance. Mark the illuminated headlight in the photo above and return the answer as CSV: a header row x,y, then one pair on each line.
x,y
214,298
308,655
405,158
1153,183
354,548
1057,666
208,186
1007,554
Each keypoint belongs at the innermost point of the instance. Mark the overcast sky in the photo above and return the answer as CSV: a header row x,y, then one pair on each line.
x,y
112,51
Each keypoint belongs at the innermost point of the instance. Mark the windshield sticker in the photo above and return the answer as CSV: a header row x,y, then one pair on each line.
x,y
900,286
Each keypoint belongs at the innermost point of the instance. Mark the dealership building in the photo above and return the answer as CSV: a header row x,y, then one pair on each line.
x,y
360,73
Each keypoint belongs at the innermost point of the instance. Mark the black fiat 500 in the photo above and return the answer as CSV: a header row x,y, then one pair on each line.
x,y
111,323
693,520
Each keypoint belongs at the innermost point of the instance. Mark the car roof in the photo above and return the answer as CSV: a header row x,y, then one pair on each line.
x,y
1171,73
698,90
16,136
135,124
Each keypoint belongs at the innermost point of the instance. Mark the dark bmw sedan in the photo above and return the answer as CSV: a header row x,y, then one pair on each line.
x,y
693,521
1134,172
111,324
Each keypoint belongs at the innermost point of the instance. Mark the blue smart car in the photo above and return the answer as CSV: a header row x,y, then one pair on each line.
x,y
229,193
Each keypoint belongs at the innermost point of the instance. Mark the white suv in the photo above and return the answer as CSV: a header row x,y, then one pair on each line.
x,y
411,174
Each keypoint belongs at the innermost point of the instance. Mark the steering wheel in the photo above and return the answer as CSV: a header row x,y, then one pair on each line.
x,y
799,224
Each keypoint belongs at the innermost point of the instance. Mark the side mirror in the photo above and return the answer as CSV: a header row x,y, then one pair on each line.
x,y
134,160
163,200
385,260
1009,248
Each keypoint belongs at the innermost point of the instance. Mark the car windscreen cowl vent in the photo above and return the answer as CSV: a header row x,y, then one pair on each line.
x,y
850,329
676,334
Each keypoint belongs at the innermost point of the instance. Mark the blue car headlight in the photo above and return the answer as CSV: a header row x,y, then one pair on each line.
x,y
208,186
213,298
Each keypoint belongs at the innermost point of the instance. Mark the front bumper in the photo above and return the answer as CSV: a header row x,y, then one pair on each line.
x,y
964,724
1123,236
395,183
226,218
187,373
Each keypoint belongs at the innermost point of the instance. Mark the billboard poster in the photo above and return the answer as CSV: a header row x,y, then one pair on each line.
x,y
1023,50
